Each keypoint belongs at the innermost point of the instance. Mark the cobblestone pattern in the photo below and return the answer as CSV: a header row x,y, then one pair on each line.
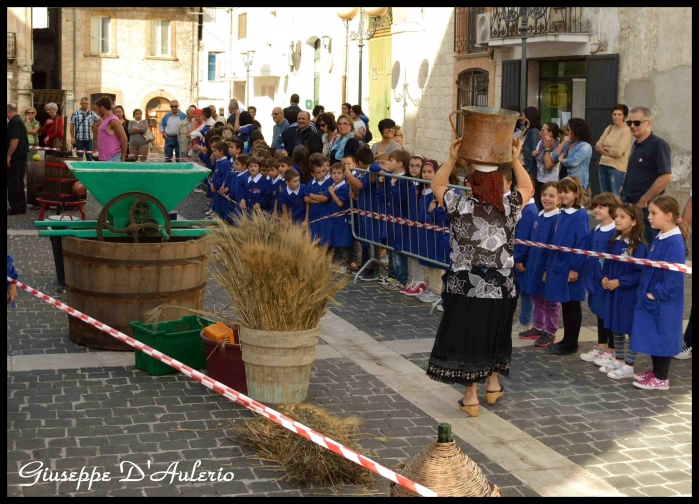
x,y
99,417
638,441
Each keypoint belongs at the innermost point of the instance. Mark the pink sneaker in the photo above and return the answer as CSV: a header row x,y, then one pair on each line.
x,y
418,289
653,384
408,289
643,376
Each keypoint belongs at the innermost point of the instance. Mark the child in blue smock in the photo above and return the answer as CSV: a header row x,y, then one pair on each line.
x,y
410,235
341,230
11,288
396,191
316,197
429,240
620,283
258,190
218,182
546,312
236,186
277,180
604,206
563,280
291,198
657,318
523,230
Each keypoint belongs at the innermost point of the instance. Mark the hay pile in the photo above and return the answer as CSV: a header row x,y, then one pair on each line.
x,y
303,461
277,279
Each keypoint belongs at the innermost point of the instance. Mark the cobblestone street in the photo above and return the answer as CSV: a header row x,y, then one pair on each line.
x,y
562,415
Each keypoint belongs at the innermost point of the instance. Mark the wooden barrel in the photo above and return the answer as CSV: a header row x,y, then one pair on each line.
x,y
58,180
117,282
35,181
278,364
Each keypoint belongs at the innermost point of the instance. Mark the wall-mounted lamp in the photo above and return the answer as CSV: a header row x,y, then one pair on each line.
x,y
326,41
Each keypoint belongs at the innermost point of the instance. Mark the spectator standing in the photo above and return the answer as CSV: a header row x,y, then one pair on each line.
x,y
52,131
346,108
294,105
17,151
138,146
531,140
243,129
214,114
359,124
253,112
388,144
81,123
305,135
546,168
288,136
33,128
317,110
649,170
614,148
186,127
233,110
399,136
280,126
345,144
111,140
574,153
686,352
119,112
170,128
328,130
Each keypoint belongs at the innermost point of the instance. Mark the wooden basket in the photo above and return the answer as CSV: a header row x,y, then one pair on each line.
x,y
444,468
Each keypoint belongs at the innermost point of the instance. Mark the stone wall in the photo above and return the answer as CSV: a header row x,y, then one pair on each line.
x,y
129,71
19,22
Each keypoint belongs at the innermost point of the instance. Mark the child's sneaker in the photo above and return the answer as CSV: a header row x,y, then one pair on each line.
x,y
653,384
686,353
408,288
592,354
518,327
418,288
440,307
371,275
546,339
342,270
384,280
612,366
644,376
532,333
604,358
394,286
625,371
428,297
353,268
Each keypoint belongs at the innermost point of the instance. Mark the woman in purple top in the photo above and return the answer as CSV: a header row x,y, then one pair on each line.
x,y
111,140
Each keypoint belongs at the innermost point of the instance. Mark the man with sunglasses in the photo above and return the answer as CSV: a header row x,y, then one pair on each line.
x,y
280,126
170,128
649,169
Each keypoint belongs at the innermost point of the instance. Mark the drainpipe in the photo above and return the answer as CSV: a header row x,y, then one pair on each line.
x,y
74,61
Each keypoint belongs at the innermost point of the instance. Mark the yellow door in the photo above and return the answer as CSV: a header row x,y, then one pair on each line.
x,y
379,82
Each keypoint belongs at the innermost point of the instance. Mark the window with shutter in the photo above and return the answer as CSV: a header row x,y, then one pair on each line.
x,y
212,66
160,37
242,26
100,35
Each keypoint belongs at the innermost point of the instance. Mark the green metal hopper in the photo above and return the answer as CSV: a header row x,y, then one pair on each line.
x,y
117,186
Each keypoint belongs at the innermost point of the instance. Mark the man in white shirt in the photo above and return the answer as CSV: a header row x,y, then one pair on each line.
x,y
170,128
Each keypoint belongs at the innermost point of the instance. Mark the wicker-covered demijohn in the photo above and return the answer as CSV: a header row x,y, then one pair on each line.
x,y
445,469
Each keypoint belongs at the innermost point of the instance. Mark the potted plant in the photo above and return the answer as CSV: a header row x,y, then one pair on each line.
x,y
279,283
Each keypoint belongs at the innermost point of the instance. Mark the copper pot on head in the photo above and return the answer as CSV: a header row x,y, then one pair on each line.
x,y
487,135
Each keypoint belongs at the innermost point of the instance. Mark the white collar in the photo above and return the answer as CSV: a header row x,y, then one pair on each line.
x,y
327,177
550,213
626,240
507,194
530,202
426,191
667,234
339,185
606,228
571,210
268,177
222,159
256,179
244,172
289,191
415,183
277,178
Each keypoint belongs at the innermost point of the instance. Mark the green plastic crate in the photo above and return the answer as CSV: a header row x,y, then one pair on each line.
x,y
178,339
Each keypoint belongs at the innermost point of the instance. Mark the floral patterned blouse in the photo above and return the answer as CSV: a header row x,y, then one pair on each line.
x,y
482,246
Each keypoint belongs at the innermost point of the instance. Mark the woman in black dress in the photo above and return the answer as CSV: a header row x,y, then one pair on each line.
x,y
474,340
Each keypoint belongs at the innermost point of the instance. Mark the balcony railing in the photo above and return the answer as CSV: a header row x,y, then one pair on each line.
x,y
11,46
556,20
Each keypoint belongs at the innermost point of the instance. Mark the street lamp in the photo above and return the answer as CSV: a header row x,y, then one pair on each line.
x,y
247,61
360,36
523,13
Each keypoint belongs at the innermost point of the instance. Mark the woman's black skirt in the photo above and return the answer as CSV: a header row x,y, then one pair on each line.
x,y
474,340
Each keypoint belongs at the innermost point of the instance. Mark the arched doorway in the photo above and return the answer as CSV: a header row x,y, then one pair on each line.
x,y
156,109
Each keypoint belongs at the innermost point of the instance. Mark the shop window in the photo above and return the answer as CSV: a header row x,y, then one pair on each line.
x,y
100,35
160,37
472,91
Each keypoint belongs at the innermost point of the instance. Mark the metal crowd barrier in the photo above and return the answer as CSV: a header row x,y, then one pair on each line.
x,y
372,224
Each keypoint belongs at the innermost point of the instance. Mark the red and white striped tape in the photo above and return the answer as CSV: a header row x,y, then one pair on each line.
x,y
284,421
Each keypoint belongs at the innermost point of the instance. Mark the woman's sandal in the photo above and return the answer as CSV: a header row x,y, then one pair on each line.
x,y
471,410
492,397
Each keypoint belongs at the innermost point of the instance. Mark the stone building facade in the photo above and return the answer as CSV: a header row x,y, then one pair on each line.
x,y
19,56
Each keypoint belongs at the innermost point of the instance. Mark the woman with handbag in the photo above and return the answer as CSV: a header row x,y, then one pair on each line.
x,y
614,148
546,168
52,131
138,129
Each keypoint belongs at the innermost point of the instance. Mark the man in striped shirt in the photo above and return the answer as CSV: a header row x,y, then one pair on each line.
x,y
81,124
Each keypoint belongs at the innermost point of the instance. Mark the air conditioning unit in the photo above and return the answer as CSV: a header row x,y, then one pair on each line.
x,y
483,29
